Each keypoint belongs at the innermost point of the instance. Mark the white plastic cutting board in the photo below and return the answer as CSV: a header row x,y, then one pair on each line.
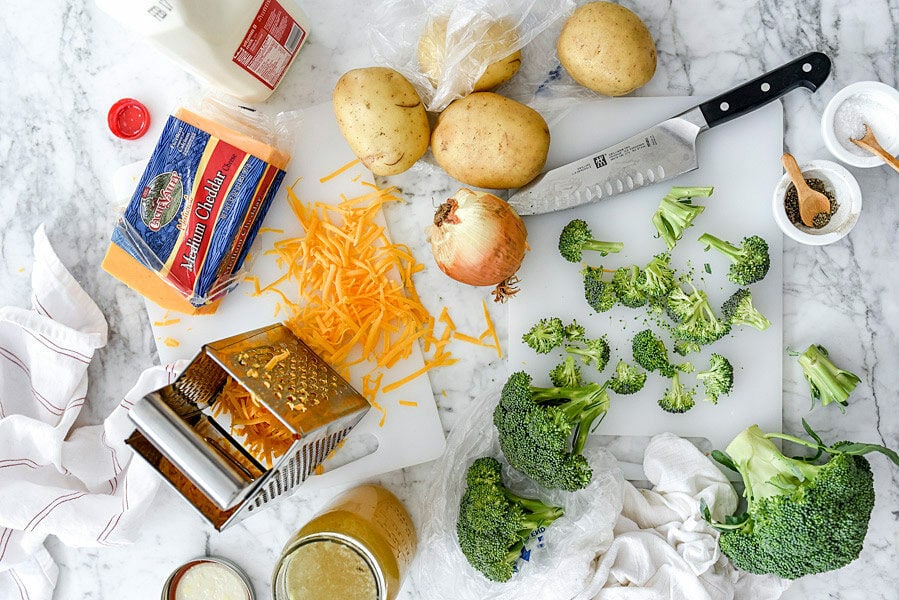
x,y
410,434
741,159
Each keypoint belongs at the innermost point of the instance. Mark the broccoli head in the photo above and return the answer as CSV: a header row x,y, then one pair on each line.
x,y
650,353
599,293
625,283
677,398
494,523
627,379
749,261
545,335
801,518
566,374
577,237
676,212
593,352
542,431
827,382
657,278
738,310
695,320
718,379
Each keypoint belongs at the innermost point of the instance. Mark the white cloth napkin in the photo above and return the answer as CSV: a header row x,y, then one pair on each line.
x,y
662,548
79,485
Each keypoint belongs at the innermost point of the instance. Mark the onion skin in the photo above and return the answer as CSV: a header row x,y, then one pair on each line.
x,y
477,238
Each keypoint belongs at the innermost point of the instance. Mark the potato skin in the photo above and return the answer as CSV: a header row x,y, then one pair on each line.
x,y
490,141
382,118
497,37
607,48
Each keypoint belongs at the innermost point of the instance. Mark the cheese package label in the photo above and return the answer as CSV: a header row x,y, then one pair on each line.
x,y
196,210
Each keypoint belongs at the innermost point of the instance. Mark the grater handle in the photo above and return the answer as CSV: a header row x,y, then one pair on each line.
x,y
212,472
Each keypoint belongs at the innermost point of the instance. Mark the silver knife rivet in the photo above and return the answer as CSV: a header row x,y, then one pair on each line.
x,y
724,106
766,87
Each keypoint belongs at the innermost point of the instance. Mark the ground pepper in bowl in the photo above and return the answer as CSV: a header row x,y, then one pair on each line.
x,y
791,204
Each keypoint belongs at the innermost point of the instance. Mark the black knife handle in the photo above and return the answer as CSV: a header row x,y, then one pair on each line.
x,y
808,71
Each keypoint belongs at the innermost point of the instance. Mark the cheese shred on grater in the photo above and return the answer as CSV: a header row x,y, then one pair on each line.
x,y
248,420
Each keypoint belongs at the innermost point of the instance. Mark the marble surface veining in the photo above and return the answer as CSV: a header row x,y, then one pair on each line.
x,y
65,63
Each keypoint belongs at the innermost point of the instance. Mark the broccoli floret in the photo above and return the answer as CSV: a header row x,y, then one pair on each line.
x,y
657,278
718,379
676,212
627,379
625,283
577,237
802,518
827,382
573,332
738,310
677,398
593,352
545,335
542,431
566,374
599,293
683,347
749,262
696,321
494,523
651,354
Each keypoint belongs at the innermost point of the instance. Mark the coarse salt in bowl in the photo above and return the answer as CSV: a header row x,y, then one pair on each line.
x,y
866,102
839,182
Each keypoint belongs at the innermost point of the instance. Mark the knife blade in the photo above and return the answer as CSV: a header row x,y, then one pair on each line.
x,y
665,150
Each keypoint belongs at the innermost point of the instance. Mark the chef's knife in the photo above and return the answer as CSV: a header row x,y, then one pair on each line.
x,y
665,150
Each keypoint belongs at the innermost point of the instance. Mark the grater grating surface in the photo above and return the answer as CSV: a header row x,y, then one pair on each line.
x,y
208,465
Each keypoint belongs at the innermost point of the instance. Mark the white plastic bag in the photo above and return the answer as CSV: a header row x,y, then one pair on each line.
x,y
395,36
561,558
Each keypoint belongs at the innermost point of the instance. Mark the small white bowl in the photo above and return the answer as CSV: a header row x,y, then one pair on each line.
x,y
838,181
869,102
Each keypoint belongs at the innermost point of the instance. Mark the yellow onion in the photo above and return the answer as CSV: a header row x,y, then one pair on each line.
x,y
479,239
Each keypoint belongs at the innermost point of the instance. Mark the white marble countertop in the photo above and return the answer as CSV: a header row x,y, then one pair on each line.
x,y
65,63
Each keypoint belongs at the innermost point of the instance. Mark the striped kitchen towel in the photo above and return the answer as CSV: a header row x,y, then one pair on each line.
x,y
77,484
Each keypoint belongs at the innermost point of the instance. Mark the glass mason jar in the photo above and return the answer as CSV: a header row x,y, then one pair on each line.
x,y
358,548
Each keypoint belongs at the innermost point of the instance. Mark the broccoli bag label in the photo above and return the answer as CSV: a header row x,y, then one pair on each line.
x,y
535,541
196,210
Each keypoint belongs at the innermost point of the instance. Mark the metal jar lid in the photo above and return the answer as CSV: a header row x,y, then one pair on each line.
x,y
171,584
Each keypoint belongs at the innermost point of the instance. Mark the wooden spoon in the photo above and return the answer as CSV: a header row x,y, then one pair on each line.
x,y
811,203
870,143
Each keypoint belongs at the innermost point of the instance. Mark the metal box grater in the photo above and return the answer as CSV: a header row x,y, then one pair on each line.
x,y
197,455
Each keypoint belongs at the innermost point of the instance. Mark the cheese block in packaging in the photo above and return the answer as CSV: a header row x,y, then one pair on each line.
x,y
196,210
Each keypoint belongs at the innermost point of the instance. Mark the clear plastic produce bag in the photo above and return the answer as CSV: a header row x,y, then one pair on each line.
x,y
560,559
469,43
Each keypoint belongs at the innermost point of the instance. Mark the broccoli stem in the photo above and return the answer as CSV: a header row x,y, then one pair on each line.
x,y
722,246
581,406
765,470
603,247
830,380
679,192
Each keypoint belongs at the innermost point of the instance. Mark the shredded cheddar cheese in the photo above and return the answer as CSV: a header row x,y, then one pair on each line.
x,y
166,322
407,403
264,436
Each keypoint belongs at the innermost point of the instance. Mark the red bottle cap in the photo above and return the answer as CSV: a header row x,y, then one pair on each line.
x,y
128,119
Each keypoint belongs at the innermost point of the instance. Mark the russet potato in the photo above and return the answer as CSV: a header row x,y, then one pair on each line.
x,y
490,141
494,39
382,118
607,48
